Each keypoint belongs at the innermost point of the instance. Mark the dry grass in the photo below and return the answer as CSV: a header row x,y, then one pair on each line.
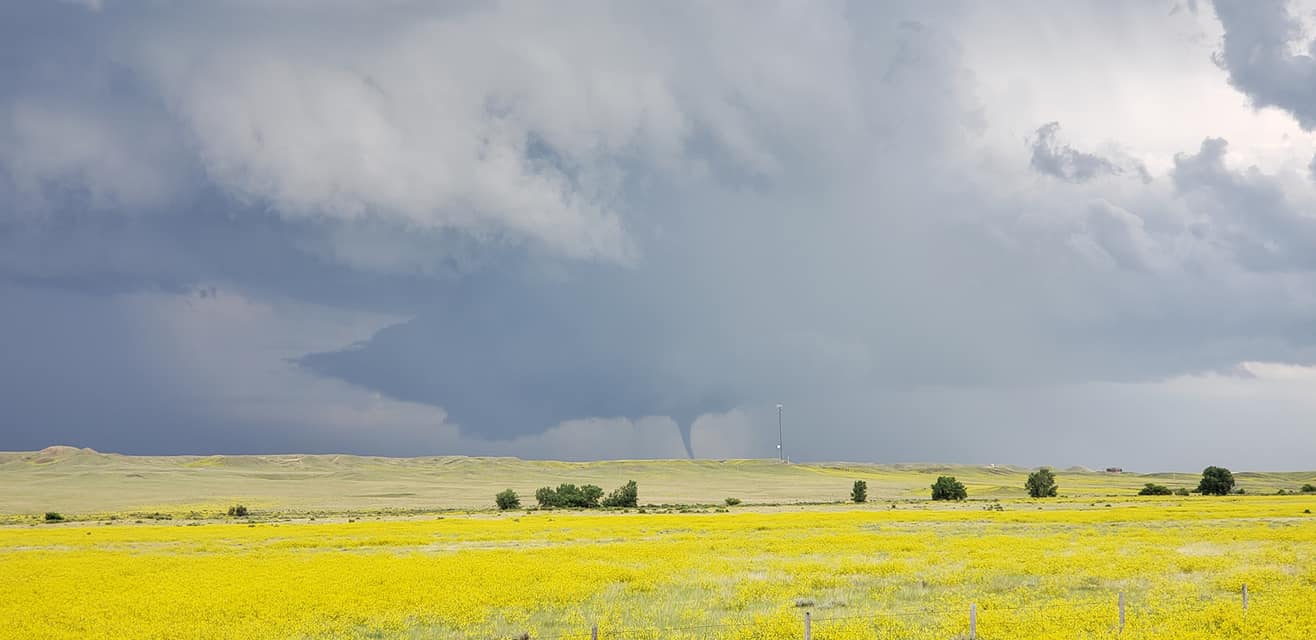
x,y
80,482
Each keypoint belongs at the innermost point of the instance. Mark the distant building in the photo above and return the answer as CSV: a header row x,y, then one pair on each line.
x,y
1114,470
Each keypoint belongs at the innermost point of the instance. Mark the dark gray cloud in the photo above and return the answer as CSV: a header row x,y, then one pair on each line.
x,y
1257,50
507,360
1250,211
1062,161
571,232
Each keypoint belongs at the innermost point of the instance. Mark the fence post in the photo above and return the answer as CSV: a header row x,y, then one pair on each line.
x,y
594,632
973,621
1121,612
1245,598
808,626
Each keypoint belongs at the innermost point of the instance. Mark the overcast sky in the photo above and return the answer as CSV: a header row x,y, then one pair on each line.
x,y
1010,232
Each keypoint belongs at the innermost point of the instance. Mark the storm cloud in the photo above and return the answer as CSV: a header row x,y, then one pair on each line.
x,y
581,229
1062,161
1258,51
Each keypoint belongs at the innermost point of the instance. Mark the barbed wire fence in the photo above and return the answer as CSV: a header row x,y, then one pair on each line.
x,y
1002,620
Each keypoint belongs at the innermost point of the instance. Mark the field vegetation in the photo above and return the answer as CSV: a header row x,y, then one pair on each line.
x,y
905,570
301,561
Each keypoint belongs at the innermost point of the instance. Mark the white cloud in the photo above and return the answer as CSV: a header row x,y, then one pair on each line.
x,y
1280,372
510,122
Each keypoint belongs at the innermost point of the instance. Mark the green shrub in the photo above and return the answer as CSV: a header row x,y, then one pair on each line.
x,y
860,491
1308,488
237,511
1041,483
589,497
1182,491
547,498
1153,489
507,500
731,502
570,496
52,516
1216,481
948,488
626,495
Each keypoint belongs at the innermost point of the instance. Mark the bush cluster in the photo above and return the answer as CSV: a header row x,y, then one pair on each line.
x,y
589,496
1153,489
238,511
569,496
623,496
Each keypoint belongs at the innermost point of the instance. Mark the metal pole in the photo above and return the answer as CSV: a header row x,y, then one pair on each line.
x,y
781,449
1121,611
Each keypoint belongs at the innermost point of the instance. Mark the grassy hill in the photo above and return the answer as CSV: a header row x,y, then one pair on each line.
x,y
82,481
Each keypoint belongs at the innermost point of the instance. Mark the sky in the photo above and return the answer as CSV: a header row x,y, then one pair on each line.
x,y
1032,233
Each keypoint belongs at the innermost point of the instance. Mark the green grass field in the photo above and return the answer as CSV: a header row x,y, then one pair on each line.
x,y
85,483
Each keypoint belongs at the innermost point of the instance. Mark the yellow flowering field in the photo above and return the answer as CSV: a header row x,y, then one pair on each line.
x,y
1035,569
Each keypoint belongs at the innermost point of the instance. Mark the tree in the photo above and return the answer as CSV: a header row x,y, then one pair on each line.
x,y
589,497
1309,488
547,498
1041,484
860,491
507,500
1216,481
238,511
1153,489
569,495
626,495
948,488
